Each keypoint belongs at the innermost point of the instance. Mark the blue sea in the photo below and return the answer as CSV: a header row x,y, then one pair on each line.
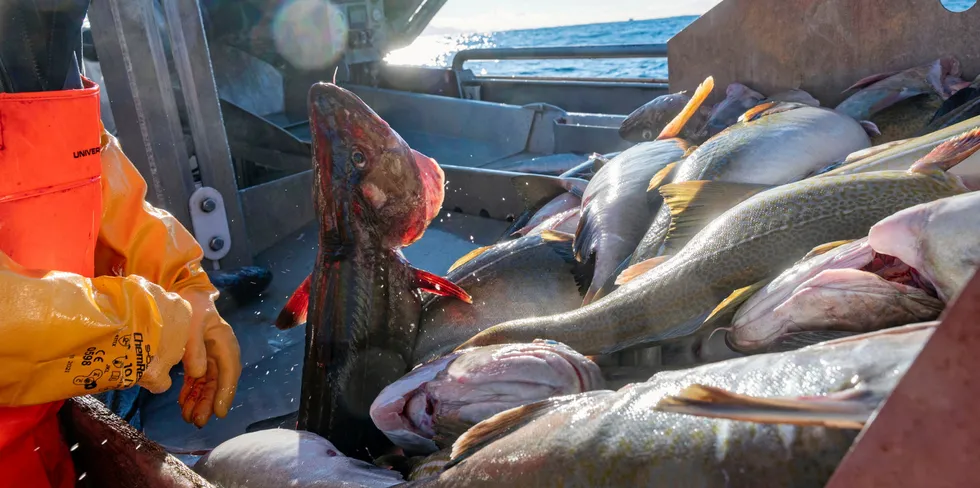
x,y
438,50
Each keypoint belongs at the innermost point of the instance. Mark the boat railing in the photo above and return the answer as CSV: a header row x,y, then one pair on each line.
x,y
561,52
568,92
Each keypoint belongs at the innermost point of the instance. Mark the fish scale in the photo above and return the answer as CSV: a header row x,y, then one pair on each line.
x,y
773,149
615,206
751,242
619,438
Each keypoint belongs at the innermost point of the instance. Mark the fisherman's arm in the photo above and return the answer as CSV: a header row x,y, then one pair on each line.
x,y
66,335
138,239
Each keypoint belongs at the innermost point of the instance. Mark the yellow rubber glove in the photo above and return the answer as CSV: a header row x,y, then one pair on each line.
x,y
212,361
137,239
65,335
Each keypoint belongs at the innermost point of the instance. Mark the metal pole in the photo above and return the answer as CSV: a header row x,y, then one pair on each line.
x,y
193,62
134,67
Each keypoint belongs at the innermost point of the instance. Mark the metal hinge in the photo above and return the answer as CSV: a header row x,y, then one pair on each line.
x,y
210,222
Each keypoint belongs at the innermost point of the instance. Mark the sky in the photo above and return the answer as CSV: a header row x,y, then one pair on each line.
x,y
495,15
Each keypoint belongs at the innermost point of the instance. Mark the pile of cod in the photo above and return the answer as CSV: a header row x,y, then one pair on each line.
x,y
723,304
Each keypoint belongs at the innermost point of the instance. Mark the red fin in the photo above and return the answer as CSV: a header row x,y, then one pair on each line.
x,y
294,312
440,286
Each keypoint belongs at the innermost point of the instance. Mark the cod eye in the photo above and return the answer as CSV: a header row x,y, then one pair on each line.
x,y
357,157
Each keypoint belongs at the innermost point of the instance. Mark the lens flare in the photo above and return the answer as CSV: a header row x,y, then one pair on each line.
x,y
310,34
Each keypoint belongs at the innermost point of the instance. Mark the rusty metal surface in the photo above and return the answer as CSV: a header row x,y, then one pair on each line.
x,y
927,432
822,46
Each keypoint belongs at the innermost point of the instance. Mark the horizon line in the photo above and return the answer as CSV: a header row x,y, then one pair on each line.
x,y
455,30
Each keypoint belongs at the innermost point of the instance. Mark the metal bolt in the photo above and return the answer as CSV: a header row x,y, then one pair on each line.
x,y
208,205
216,244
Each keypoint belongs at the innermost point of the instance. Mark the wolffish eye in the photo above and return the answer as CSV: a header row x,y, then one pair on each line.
x,y
357,158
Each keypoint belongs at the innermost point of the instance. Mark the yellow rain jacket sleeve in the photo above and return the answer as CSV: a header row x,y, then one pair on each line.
x,y
150,306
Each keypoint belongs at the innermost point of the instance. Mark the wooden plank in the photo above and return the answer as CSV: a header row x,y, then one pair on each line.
x,y
822,46
134,67
193,62
926,432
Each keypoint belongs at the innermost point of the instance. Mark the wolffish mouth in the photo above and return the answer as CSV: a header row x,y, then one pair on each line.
x,y
895,270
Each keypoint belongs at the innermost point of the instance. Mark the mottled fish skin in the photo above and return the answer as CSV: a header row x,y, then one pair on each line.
x,y
940,239
617,438
906,119
615,207
772,150
525,277
754,241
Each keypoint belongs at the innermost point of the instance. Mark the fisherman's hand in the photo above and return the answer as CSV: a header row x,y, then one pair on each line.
x,y
212,362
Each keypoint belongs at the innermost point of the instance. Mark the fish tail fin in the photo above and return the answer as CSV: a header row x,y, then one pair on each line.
x,y
561,244
700,95
584,237
294,312
440,286
949,153
848,409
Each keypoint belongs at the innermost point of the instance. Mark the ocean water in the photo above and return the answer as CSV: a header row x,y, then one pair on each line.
x,y
438,50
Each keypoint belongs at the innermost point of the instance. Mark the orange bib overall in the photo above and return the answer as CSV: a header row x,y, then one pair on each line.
x,y
50,209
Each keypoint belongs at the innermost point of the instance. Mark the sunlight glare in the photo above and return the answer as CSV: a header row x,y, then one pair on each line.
x,y
310,34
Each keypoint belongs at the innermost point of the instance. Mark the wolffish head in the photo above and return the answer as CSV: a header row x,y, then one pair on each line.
x,y
364,166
